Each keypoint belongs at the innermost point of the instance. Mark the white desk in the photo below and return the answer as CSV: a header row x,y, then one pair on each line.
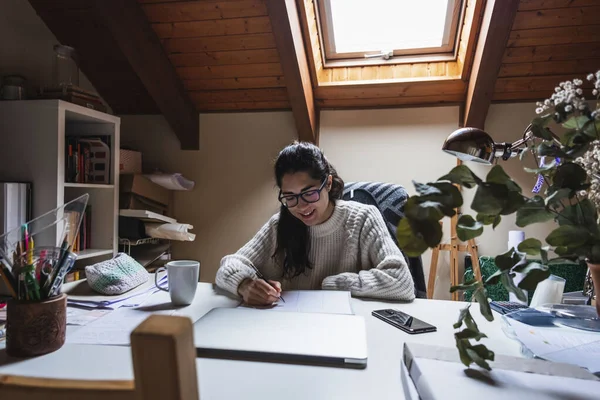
x,y
227,379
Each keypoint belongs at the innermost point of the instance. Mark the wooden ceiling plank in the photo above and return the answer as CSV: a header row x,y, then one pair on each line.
x,y
288,37
235,83
222,27
245,106
390,101
220,43
554,36
398,90
204,10
495,30
239,57
536,83
242,95
572,16
551,53
136,39
230,71
574,67
534,5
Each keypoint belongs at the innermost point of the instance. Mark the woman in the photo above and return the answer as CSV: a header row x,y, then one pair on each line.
x,y
317,240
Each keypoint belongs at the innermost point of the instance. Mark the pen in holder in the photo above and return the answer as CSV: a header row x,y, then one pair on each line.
x,y
34,260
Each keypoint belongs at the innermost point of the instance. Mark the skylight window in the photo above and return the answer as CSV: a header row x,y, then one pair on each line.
x,y
359,29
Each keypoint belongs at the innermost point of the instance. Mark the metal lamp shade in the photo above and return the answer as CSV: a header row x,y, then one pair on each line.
x,y
470,144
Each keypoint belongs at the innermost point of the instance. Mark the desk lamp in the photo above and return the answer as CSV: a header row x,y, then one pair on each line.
x,y
472,144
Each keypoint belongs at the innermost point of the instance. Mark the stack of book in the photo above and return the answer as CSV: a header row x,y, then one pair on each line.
x,y
81,239
73,94
87,160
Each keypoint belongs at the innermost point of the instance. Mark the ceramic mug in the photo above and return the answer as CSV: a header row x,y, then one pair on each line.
x,y
182,280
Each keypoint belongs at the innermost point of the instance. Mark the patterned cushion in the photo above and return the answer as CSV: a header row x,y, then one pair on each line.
x,y
116,276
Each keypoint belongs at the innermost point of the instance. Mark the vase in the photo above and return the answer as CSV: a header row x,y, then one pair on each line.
x,y
594,275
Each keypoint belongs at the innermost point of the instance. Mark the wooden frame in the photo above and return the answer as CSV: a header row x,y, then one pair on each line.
x,y
498,18
448,49
288,37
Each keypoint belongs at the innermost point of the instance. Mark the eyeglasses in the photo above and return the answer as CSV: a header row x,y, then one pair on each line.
x,y
309,196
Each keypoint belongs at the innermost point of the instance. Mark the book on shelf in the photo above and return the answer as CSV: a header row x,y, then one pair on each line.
x,y
81,239
87,159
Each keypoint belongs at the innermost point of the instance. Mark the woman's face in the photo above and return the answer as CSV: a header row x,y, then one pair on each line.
x,y
312,207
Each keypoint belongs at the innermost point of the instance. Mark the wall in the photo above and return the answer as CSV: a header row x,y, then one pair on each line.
x,y
26,45
399,145
233,170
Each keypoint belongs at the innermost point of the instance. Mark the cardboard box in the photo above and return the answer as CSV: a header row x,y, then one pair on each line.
x,y
130,201
435,372
141,186
130,162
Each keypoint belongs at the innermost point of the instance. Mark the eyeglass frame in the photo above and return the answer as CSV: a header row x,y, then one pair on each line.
x,y
299,195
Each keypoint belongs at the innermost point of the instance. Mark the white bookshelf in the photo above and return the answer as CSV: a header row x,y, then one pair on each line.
x,y
32,149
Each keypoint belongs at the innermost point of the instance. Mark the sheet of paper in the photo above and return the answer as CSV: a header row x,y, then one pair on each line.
x,y
314,301
112,329
81,316
560,344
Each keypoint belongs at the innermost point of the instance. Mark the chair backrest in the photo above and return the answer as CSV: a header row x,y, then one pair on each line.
x,y
164,364
389,200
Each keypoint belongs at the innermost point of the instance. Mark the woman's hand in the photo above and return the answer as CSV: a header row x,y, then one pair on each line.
x,y
258,292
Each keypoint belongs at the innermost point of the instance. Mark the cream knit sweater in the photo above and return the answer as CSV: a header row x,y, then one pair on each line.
x,y
351,251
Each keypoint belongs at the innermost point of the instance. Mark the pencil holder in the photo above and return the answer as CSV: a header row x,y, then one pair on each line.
x,y
35,257
34,328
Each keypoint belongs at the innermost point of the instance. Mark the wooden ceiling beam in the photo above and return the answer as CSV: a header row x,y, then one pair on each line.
x,y
135,37
288,38
495,30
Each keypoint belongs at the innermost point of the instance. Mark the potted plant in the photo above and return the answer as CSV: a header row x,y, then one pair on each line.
x,y
565,140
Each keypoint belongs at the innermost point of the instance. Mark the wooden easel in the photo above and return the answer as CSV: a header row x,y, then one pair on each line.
x,y
454,248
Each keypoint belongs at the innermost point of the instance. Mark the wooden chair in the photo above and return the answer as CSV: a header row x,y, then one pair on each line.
x,y
164,364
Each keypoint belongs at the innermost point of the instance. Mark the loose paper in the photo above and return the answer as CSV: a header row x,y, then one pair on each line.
x,y
313,301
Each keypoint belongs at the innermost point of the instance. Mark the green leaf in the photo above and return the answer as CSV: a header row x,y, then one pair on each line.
x,y
411,243
544,168
450,195
498,176
496,222
560,260
490,199
557,195
469,285
550,149
508,260
462,345
533,211
513,203
534,274
477,359
483,352
569,137
463,313
489,219
576,122
530,246
480,296
427,210
470,334
494,278
569,175
462,175
538,128
510,286
568,236
467,228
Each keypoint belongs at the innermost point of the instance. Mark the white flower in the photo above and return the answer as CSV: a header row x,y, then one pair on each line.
x,y
539,110
579,91
595,92
557,89
577,82
568,108
547,102
590,77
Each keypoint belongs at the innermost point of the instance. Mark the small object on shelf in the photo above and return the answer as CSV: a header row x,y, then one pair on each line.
x,y
73,94
148,216
13,88
66,70
144,188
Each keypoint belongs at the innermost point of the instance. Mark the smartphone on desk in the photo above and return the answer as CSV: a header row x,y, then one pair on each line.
x,y
403,321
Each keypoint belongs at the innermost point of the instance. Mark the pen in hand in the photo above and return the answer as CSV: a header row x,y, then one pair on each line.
x,y
261,276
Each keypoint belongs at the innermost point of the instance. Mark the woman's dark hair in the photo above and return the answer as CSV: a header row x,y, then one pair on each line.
x,y
293,243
